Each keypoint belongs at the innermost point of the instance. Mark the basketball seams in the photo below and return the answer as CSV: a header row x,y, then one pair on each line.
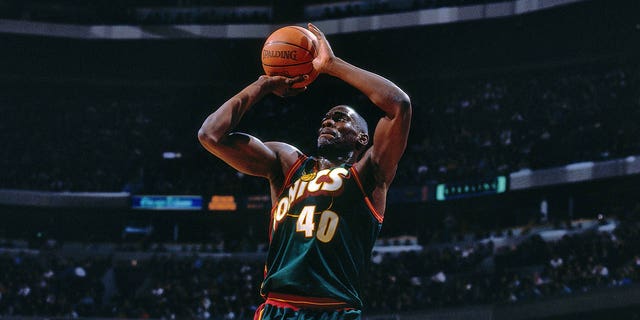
x,y
300,29
288,43
285,65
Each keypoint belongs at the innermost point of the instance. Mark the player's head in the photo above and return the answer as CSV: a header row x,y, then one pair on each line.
x,y
342,130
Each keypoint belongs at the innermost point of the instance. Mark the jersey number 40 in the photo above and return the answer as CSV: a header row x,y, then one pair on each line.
x,y
327,224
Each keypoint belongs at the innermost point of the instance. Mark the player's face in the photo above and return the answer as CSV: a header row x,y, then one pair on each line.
x,y
338,128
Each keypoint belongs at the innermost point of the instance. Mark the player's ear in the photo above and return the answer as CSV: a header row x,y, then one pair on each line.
x,y
363,139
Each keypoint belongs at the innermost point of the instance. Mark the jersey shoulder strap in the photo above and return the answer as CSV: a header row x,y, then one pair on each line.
x,y
292,172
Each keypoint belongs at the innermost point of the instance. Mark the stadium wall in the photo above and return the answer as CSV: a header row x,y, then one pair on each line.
x,y
249,31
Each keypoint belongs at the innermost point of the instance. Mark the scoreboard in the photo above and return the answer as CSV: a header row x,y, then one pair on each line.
x,y
449,191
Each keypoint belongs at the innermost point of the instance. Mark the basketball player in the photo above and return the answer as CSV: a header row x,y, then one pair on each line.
x,y
327,210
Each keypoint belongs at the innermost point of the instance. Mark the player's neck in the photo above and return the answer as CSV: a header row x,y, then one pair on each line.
x,y
334,160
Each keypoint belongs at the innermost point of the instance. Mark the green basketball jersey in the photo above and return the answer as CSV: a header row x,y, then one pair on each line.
x,y
322,231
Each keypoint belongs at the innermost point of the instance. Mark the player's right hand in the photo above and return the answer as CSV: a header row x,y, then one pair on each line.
x,y
282,86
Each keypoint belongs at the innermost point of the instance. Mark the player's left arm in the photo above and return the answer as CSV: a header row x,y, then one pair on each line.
x,y
392,131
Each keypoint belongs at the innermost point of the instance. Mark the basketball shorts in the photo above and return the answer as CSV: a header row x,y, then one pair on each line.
x,y
288,307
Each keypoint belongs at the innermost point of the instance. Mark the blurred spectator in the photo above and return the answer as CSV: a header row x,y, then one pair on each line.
x,y
189,286
113,140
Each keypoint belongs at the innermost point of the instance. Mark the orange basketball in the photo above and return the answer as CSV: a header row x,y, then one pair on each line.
x,y
288,52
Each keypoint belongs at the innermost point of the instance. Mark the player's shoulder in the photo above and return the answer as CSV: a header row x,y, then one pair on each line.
x,y
286,153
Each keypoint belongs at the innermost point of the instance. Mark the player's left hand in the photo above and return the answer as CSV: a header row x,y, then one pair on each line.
x,y
282,86
325,55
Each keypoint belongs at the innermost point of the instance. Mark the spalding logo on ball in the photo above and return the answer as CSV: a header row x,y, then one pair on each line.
x,y
289,52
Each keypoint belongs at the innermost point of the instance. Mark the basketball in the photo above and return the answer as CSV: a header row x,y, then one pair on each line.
x,y
289,52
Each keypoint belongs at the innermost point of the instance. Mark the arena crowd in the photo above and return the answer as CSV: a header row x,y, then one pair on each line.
x,y
114,139
45,282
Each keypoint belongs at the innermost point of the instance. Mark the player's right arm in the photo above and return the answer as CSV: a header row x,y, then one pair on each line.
x,y
243,152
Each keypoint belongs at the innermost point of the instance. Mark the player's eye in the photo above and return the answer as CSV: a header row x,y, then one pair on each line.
x,y
339,117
